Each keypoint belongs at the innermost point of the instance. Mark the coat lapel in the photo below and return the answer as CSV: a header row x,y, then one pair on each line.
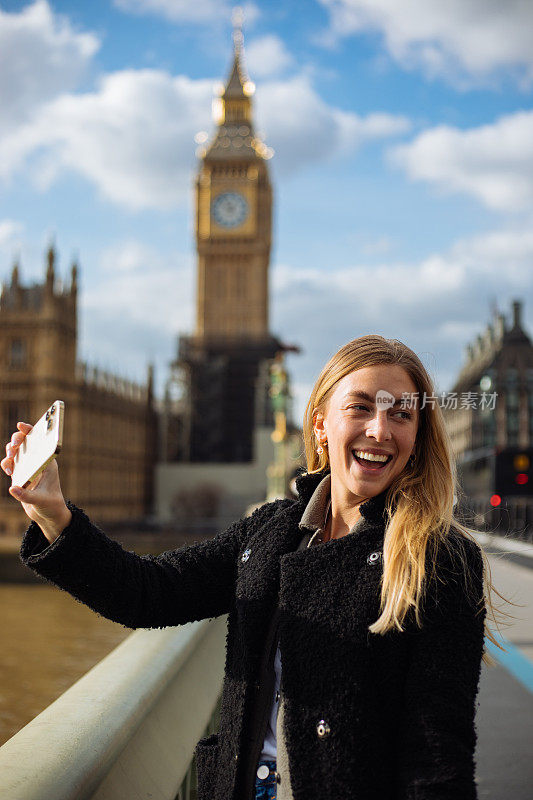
x,y
323,584
271,570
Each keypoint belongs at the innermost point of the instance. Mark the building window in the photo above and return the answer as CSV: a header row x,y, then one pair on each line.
x,y
530,415
17,353
241,282
529,379
511,413
488,428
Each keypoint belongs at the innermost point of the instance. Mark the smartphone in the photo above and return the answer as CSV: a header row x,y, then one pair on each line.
x,y
40,446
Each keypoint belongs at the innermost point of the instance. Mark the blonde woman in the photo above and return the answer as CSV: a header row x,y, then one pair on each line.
x,y
357,611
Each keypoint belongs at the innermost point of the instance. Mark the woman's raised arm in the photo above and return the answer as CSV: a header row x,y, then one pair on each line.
x,y
190,583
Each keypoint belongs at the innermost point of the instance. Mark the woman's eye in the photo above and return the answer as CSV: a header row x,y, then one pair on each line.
x,y
407,414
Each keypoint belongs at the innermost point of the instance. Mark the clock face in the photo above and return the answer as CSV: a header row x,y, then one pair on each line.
x,y
230,209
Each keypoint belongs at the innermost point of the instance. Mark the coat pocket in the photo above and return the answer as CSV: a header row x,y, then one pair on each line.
x,y
206,753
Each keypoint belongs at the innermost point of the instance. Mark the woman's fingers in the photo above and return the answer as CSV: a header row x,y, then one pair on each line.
x,y
44,491
21,494
7,465
13,445
42,499
25,427
28,495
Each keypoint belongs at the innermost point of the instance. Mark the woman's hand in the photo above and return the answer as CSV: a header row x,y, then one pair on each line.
x,y
43,499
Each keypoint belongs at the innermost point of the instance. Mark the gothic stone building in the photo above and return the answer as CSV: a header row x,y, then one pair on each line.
x,y
487,436
222,365
110,424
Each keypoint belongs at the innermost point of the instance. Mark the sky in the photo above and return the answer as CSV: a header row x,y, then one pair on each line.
x,y
402,133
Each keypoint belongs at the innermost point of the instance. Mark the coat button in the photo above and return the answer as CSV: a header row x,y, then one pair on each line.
x,y
277,697
246,555
236,756
278,777
373,557
323,729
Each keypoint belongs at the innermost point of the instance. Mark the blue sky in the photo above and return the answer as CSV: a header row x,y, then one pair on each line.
x,y
403,166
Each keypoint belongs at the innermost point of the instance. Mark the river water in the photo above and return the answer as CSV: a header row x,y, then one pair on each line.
x,y
49,640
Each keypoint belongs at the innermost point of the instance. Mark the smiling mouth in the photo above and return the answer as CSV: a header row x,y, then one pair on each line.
x,y
372,463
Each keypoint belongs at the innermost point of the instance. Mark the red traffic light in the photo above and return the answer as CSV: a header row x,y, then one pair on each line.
x,y
495,500
521,478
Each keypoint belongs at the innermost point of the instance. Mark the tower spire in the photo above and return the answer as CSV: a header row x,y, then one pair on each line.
x,y
237,19
232,110
237,83
50,269
236,98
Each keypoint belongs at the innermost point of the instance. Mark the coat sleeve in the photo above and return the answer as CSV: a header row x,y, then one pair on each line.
x,y
438,737
190,583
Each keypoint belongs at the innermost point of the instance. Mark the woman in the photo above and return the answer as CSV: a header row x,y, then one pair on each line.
x,y
364,595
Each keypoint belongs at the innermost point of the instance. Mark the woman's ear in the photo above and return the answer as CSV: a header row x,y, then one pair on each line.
x,y
319,426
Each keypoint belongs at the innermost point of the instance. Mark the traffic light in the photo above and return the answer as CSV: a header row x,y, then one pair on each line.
x,y
514,472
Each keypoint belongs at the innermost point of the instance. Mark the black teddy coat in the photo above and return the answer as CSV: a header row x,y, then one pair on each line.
x,y
399,708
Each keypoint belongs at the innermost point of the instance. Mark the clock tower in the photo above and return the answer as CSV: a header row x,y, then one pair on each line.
x,y
222,366
234,218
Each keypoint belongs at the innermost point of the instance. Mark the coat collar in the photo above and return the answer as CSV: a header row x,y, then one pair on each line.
x,y
373,509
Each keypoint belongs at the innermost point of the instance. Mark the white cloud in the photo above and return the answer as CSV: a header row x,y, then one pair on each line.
x,y
40,56
434,305
10,233
267,56
176,10
467,41
133,136
137,303
200,11
493,163
304,129
138,283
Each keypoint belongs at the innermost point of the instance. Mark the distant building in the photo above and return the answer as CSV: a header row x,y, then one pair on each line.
x,y
221,367
492,426
107,461
218,420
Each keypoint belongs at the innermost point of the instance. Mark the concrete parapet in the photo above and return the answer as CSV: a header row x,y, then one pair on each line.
x,y
128,728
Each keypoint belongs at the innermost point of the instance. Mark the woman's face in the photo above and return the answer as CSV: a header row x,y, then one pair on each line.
x,y
357,423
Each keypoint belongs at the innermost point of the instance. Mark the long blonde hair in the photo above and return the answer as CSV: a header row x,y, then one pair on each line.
x,y
420,500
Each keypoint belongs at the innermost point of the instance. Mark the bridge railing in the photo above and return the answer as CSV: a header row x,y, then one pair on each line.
x,y
127,729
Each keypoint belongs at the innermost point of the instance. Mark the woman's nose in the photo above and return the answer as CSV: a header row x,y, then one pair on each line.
x,y
379,427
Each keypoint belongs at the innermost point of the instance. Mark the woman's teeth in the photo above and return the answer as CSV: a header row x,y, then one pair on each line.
x,y
371,460
370,456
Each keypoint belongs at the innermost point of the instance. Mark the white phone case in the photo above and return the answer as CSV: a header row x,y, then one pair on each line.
x,y
40,446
